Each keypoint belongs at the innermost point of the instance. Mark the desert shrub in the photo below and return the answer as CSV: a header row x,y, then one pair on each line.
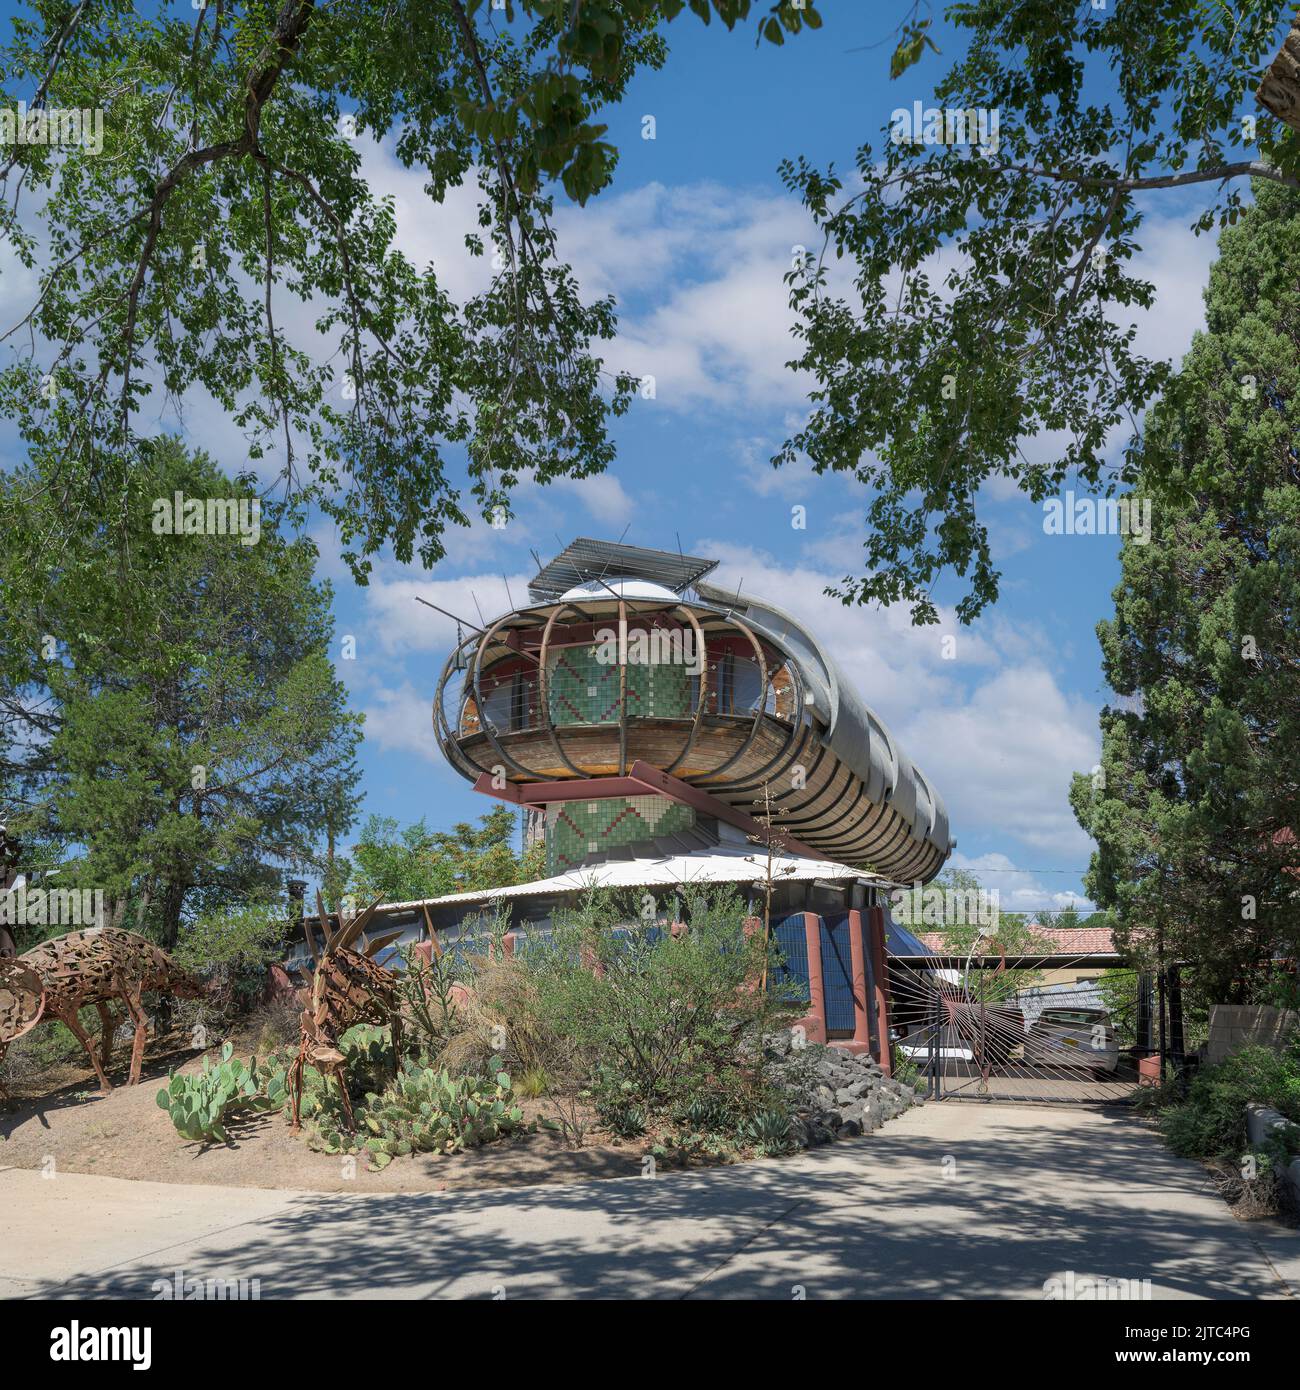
x,y
533,1083
1210,1121
905,1070
500,1016
46,1048
656,1025
277,1022
424,993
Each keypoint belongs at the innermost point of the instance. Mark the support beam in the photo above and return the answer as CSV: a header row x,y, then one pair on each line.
x,y
884,1052
858,959
642,780
572,789
812,927
1047,960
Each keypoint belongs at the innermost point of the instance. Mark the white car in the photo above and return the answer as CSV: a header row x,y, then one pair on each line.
x,y
918,1051
1072,1038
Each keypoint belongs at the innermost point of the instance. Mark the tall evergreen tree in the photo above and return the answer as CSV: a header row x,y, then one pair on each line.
x,y
1196,808
168,708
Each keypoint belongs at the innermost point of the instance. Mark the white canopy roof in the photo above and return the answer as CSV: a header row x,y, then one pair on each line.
x,y
706,866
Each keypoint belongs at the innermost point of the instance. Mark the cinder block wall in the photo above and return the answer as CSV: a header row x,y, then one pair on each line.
x,y
1234,1026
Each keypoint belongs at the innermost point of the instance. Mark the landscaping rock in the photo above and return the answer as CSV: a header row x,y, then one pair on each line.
x,y
844,1094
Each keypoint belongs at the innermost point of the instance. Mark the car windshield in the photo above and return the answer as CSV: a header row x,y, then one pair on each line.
x,y
1084,1017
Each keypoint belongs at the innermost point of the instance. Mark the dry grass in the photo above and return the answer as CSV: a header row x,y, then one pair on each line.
x,y
498,1018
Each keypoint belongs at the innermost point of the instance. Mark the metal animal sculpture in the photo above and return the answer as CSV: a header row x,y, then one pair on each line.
x,y
9,852
22,1002
94,966
347,988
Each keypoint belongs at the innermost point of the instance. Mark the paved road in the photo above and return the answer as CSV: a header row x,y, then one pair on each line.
x,y
949,1201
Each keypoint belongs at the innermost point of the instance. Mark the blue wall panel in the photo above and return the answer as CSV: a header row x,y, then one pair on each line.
x,y
792,947
837,972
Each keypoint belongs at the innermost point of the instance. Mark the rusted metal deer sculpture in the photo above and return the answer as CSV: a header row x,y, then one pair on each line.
x,y
55,980
347,988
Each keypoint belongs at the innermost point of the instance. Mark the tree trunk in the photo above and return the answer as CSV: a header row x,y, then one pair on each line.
x,y
1279,92
173,899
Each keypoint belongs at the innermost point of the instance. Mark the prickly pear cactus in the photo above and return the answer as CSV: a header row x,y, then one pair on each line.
x,y
199,1105
428,1111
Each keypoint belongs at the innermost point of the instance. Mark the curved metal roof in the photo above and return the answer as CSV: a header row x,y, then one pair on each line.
x,y
853,731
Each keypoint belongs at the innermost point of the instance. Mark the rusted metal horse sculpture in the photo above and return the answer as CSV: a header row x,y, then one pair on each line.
x,y
347,988
53,981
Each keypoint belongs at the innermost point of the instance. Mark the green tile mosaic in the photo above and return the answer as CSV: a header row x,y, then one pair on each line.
x,y
582,689
575,829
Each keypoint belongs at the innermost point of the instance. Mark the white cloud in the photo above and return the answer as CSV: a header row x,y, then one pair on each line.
x,y
1020,890
401,625
1003,757
1177,262
602,495
698,271
401,720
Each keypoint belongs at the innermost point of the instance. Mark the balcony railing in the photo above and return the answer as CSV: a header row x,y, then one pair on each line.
x,y
582,693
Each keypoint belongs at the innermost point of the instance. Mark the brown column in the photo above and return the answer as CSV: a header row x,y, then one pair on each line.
x,y
884,1054
858,957
812,926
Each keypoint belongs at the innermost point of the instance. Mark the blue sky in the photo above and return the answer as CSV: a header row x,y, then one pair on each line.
x,y
693,238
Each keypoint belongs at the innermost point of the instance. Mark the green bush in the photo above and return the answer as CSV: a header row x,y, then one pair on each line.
x,y
667,1028
233,951
1210,1121
200,1105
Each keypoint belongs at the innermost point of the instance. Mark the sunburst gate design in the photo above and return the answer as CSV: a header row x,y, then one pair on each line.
x,y
631,675
986,1024
97,966
348,987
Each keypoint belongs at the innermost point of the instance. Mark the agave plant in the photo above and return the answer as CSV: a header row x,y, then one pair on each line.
x,y
624,1119
769,1132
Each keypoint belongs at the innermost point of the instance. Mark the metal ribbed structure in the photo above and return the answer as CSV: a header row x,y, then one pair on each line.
x,y
727,695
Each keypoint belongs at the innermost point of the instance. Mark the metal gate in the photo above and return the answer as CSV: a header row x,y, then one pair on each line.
x,y
1051,1028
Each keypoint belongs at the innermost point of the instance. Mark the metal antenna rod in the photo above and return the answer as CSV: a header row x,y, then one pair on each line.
x,y
452,616
481,631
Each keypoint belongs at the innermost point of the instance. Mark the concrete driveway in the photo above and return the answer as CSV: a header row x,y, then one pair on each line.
x,y
948,1201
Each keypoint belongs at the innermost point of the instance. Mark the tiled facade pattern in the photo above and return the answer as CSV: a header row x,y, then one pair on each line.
x,y
583,689
575,829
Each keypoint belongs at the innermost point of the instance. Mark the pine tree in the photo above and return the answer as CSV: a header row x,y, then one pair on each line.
x,y
1195,808
169,711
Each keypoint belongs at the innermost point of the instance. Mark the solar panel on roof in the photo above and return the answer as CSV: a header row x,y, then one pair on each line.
x,y
586,559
